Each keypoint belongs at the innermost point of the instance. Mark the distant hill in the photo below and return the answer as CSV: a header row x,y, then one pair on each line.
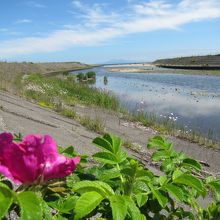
x,y
193,62
121,61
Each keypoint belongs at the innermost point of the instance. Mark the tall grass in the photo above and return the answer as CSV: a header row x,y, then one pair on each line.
x,y
54,90
169,127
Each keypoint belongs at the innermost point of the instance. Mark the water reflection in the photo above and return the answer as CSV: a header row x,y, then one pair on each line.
x,y
193,99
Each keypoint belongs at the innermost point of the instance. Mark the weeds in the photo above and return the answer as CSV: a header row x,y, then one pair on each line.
x,y
68,113
46,89
96,124
169,127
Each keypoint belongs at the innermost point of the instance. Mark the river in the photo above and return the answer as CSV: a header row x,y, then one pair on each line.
x,y
189,100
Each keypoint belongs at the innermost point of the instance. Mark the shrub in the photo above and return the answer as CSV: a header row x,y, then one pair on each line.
x,y
66,73
91,74
118,187
80,76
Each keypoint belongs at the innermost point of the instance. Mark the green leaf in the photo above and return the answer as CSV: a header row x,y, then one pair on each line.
x,y
189,180
167,165
121,156
6,199
100,187
161,155
141,185
47,211
104,144
30,206
141,199
177,173
106,158
144,174
133,210
210,179
159,142
175,191
69,151
109,174
72,179
64,205
215,185
192,163
118,206
86,204
114,140
160,198
162,180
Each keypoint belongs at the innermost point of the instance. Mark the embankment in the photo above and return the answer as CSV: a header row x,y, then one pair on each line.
x,y
209,62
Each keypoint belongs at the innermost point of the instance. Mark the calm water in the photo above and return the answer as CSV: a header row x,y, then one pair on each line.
x,y
190,100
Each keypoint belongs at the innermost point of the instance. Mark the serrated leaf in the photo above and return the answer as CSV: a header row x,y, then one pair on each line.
x,y
210,179
162,180
121,156
192,163
47,211
114,140
118,206
103,144
167,165
159,142
71,180
87,186
109,174
141,186
175,191
64,205
145,174
30,206
6,199
177,173
160,155
160,198
69,151
141,199
134,211
86,204
189,180
215,185
106,158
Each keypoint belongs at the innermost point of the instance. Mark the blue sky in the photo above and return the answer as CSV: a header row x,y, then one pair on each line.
x,y
95,31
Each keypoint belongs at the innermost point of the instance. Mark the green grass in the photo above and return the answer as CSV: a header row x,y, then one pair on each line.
x,y
68,113
96,124
60,94
168,127
54,90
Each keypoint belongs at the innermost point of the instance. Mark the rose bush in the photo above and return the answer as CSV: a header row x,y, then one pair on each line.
x,y
117,187
33,160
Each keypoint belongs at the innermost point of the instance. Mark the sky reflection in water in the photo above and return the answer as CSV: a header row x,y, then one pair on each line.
x,y
194,99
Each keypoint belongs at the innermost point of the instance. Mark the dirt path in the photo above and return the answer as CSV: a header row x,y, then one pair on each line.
x,y
19,115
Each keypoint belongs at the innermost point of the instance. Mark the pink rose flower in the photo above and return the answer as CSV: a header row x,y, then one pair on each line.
x,y
35,159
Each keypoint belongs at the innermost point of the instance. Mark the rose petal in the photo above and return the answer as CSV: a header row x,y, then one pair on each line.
x,y
5,171
62,167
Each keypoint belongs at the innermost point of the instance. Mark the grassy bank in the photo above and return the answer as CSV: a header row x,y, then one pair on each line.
x,y
169,127
63,93
12,72
54,92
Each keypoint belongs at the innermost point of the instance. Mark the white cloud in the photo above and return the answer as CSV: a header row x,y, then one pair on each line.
x,y
3,29
35,4
23,21
99,25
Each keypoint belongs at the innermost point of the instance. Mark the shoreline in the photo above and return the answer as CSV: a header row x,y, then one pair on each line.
x,y
31,117
165,71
